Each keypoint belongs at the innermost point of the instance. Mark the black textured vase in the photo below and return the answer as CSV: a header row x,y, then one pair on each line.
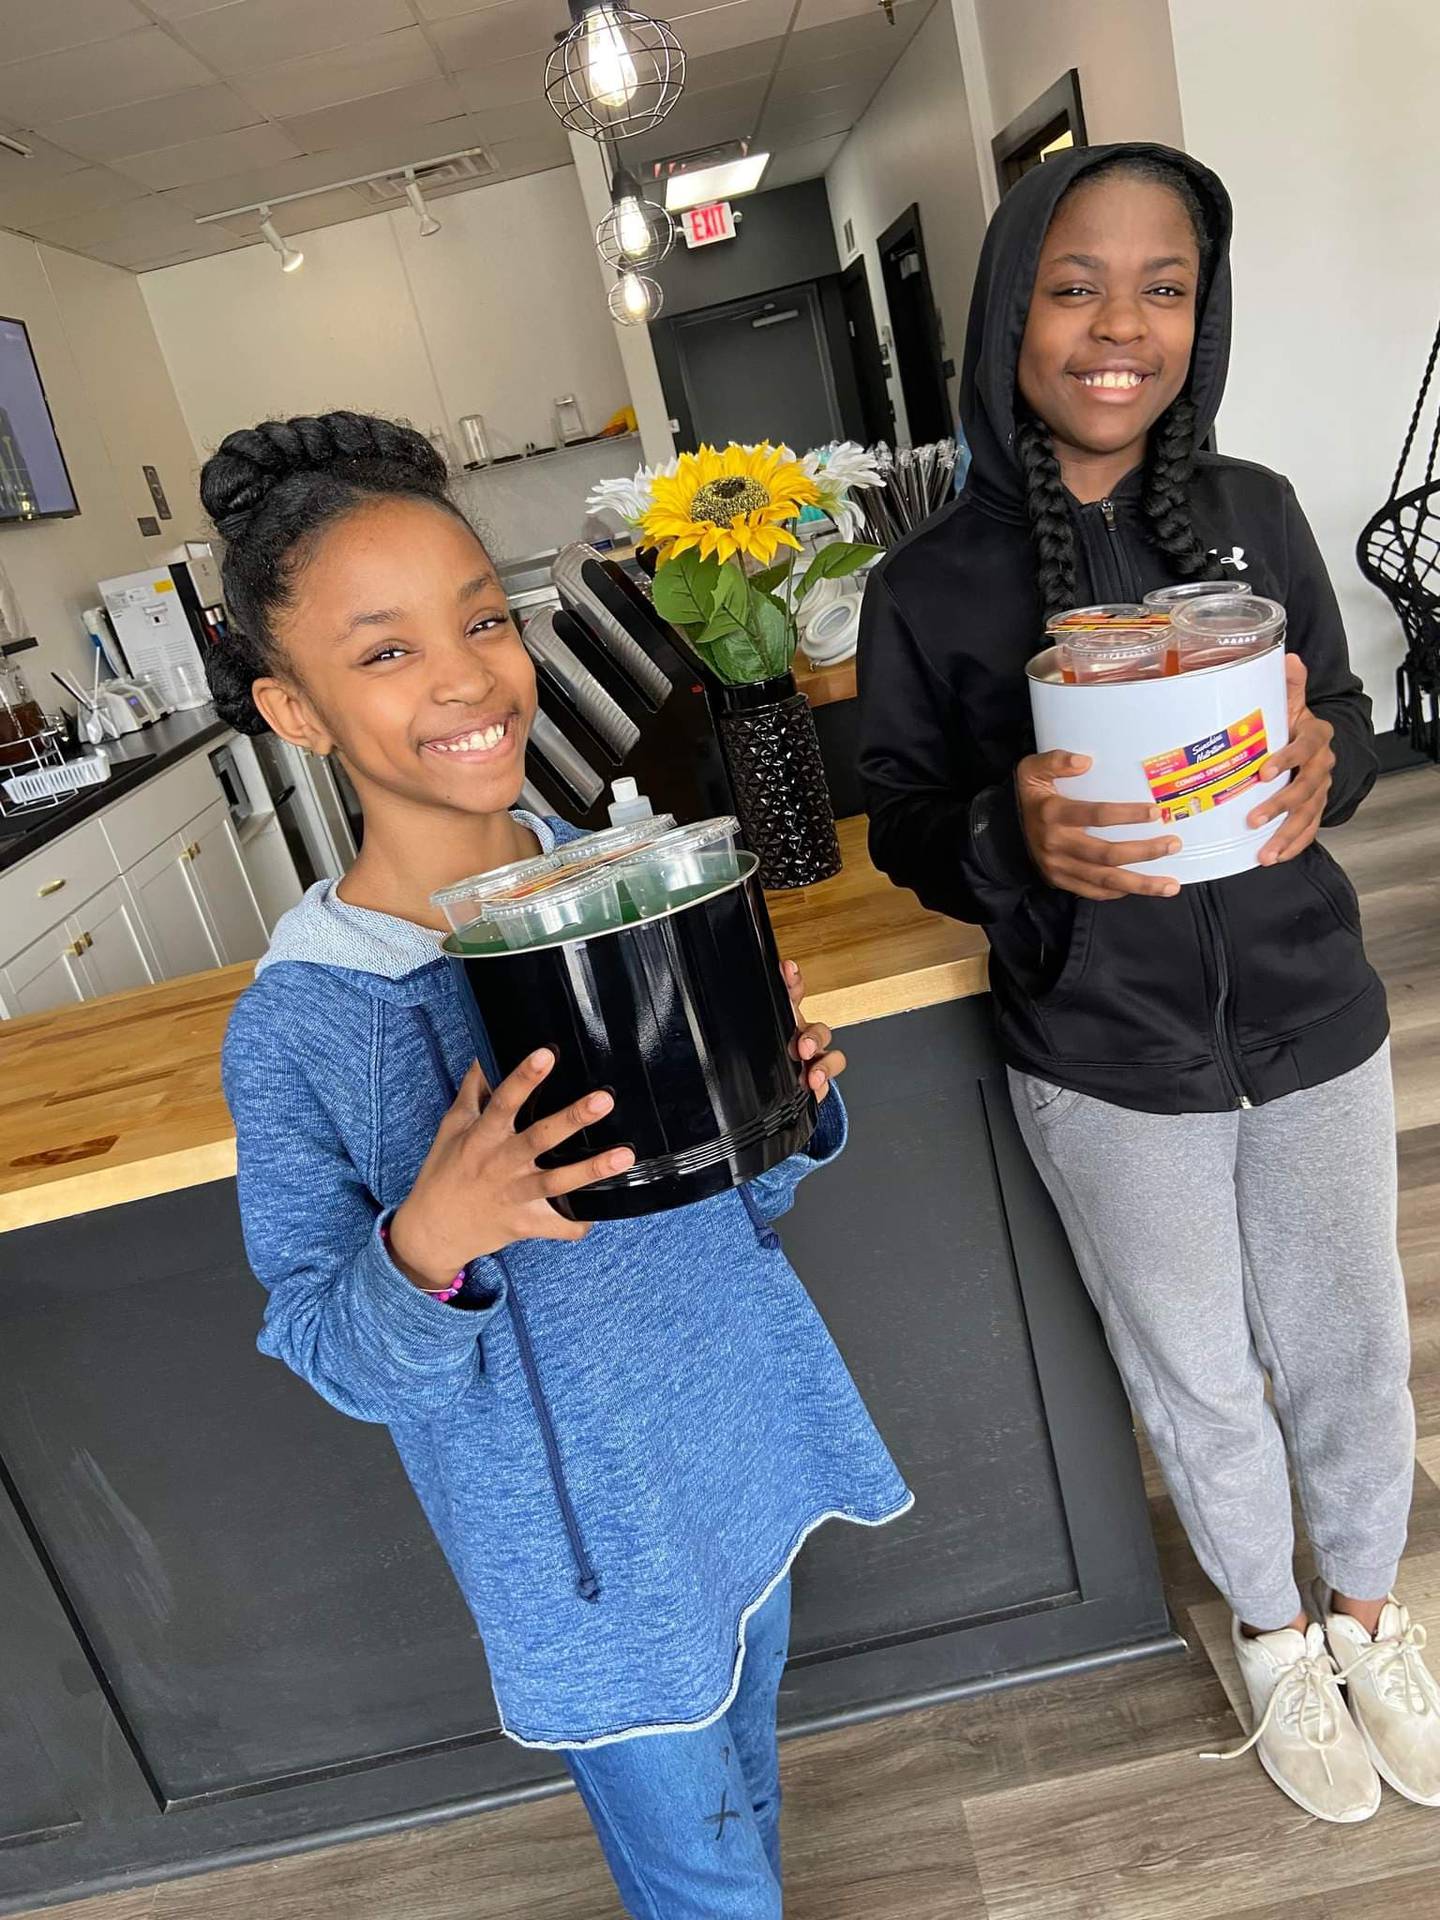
x,y
773,753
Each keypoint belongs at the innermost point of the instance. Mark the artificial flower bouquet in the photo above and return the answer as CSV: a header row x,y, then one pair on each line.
x,y
723,524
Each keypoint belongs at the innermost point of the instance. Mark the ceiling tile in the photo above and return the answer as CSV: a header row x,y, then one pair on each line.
x,y
785,128
401,59
818,13
449,9
147,221
523,120
755,61
111,73
849,69
87,191
505,32
184,9
536,155
502,85
809,162
46,163
717,28
403,108
862,33
259,33
172,119
824,103
314,172
209,159
27,29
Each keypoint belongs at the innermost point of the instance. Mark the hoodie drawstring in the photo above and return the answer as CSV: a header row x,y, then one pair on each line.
x,y
588,1582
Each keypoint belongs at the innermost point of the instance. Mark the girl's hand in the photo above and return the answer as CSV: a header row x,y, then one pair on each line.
x,y
479,1187
1313,759
1070,857
812,1043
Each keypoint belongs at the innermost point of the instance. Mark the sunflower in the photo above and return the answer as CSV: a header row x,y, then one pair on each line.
x,y
727,503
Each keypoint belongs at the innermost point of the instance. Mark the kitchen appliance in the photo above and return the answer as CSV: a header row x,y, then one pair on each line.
x,y
316,807
232,785
126,706
680,1012
1191,742
22,724
166,618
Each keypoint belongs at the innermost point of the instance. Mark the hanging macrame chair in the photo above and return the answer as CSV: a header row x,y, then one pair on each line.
x,y
1400,552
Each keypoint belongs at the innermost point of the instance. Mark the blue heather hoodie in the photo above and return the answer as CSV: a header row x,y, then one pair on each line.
x,y
620,1444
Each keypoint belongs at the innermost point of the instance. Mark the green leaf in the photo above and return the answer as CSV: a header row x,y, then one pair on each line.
x,y
773,577
684,589
773,632
732,594
731,651
841,557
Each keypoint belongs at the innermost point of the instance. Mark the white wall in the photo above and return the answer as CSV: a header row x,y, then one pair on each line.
x,y
1337,270
914,146
1123,52
115,410
497,314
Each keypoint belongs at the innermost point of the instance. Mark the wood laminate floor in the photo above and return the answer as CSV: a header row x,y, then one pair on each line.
x,y
1081,1800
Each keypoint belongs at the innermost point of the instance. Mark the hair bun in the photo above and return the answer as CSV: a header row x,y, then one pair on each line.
x,y
248,465
230,680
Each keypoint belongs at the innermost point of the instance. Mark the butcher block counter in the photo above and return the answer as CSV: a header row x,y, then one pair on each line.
x,y
227,1631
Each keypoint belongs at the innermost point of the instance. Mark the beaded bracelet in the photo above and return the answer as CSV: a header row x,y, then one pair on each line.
x,y
439,1294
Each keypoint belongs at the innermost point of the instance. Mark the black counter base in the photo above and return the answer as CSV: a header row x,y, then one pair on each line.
x,y
227,1632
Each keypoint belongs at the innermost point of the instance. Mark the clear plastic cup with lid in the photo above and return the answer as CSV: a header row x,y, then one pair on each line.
x,y
464,903
613,841
1166,599
682,866
1119,640
1219,628
572,906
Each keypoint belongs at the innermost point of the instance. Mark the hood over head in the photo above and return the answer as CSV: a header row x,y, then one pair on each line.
x,y
1000,303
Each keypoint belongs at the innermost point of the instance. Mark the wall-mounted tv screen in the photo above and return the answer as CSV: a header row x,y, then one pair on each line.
x,y
34,481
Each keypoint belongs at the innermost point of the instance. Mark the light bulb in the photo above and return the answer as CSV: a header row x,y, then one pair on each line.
x,y
634,296
610,73
632,229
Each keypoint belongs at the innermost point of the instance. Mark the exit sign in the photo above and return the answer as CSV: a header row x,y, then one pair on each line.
x,y
703,226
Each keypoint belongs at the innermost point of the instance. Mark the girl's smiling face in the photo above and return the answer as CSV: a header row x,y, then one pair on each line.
x,y
403,658
1112,317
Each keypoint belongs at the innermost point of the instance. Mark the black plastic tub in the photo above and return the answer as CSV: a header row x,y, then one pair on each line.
x,y
683,1018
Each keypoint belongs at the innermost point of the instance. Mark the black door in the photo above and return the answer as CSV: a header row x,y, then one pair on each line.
x,y
875,408
759,369
916,330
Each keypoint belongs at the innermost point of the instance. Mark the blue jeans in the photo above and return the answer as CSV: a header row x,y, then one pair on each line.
x,y
690,1822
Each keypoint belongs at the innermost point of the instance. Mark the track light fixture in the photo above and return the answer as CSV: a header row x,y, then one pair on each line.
x,y
290,257
428,223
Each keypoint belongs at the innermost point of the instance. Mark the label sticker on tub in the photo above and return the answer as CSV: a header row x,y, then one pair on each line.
x,y
1210,771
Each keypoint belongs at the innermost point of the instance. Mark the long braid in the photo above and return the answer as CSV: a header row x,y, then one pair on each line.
x,y
1169,469
1050,522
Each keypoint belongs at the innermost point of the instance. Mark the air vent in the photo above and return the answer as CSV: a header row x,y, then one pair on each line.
x,y
849,236
448,173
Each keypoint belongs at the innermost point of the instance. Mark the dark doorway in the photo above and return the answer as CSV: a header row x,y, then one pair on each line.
x,y
760,370
915,328
875,409
1051,124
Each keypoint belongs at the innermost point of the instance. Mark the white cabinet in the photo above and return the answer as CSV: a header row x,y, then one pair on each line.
x,y
218,874
43,975
151,888
115,954
169,906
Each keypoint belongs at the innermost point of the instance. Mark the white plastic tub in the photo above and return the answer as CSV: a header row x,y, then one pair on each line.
x,y
1193,743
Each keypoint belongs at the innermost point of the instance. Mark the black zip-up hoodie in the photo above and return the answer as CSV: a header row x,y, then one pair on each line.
x,y
1234,992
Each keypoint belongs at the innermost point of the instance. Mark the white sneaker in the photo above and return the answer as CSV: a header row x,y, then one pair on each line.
x,y
1394,1698
1303,1737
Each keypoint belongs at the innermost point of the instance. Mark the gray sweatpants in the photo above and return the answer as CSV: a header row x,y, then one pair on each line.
x,y
1222,1247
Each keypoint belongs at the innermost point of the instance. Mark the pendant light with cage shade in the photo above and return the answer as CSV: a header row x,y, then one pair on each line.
x,y
635,299
636,234
616,73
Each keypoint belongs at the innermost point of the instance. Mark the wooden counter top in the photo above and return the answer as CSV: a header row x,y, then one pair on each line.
x,y
823,686
120,1098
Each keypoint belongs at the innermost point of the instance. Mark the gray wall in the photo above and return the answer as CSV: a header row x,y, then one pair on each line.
x,y
783,238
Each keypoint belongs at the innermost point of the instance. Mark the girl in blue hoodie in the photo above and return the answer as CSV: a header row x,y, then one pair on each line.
x,y
620,1434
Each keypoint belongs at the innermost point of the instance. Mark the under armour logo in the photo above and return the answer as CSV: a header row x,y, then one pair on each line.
x,y
1235,558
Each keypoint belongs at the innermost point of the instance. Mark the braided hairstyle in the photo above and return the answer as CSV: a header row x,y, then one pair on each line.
x,y
1170,452
271,491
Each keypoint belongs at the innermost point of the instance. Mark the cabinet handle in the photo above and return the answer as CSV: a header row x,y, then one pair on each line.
x,y
50,886
192,852
89,940
75,949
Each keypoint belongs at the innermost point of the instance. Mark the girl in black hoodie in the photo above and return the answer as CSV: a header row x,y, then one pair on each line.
x,y
1201,1073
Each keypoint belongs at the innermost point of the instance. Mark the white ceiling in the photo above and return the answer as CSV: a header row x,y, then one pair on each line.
x,y
144,114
